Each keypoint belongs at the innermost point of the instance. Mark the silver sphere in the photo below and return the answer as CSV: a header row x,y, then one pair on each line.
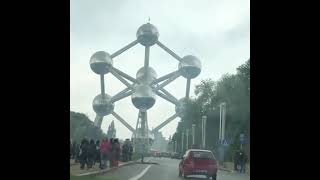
x,y
102,106
181,107
190,67
100,62
147,34
151,75
143,97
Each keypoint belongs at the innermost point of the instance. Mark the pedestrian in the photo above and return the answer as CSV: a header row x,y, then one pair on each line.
x,y
83,154
117,152
125,151
71,150
74,150
142,147
91,153
97,154
77,153
130,151
112,152
105,151
242,161
236,160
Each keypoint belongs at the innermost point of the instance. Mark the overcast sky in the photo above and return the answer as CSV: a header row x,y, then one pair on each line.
x,y
215,31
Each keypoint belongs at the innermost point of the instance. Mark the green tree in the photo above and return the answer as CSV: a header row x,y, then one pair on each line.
x,y
234,90
81,126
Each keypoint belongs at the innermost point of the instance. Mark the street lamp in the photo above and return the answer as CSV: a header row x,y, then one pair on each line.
x,y
193,133
187,133
175,146
182,142
204,122
222,125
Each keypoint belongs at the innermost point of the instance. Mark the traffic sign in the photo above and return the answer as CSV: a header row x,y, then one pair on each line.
x,y
225,143
242,139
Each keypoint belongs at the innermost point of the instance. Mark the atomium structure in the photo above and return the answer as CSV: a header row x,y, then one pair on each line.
x,y
145,87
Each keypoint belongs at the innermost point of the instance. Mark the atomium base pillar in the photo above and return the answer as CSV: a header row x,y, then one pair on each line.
x,y
142,134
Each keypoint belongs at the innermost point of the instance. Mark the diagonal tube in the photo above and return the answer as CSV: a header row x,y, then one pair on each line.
x,y
167,98
169,51
125,75
165,122
113,72
168,94
120,96
123,121
165,77
172,78
124,49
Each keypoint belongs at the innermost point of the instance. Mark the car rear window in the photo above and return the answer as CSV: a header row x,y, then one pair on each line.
x,y
201,155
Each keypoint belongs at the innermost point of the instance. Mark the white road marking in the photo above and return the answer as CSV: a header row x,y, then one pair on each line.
x,y
141,174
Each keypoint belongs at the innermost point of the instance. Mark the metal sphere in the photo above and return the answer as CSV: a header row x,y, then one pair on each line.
x,y
190,67
100,62
151,75
102,106
181,107
143,97
147,34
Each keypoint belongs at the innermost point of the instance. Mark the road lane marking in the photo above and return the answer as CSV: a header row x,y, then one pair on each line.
x,y
141,174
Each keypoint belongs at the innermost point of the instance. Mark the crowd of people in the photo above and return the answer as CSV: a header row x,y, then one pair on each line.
x,y
107,152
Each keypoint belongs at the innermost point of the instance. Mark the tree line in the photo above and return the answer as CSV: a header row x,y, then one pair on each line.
x,y
234,90
81,126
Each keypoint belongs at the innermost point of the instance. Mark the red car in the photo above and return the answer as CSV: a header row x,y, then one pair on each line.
x,y
198,162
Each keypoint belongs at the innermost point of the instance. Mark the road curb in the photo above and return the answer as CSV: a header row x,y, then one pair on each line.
x,y
232,171
223,169
105,170
94,173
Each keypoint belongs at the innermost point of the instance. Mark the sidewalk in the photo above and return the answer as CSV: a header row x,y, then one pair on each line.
x,y
76,171
228,166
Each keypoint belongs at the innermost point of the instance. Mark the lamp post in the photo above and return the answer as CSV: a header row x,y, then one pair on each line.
x,y
182,138
204,121
175,146
193,133
222,131
222,121
187,133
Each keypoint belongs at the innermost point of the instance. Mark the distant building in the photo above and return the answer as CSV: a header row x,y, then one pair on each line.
x,y
160,143
111,133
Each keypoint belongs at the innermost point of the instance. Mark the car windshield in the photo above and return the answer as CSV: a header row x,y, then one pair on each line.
x,y
201,155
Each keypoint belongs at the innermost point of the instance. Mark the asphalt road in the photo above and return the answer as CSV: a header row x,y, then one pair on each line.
x,y
164,169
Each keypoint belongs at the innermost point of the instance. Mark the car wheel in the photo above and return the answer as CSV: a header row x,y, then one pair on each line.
x,y
214,177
